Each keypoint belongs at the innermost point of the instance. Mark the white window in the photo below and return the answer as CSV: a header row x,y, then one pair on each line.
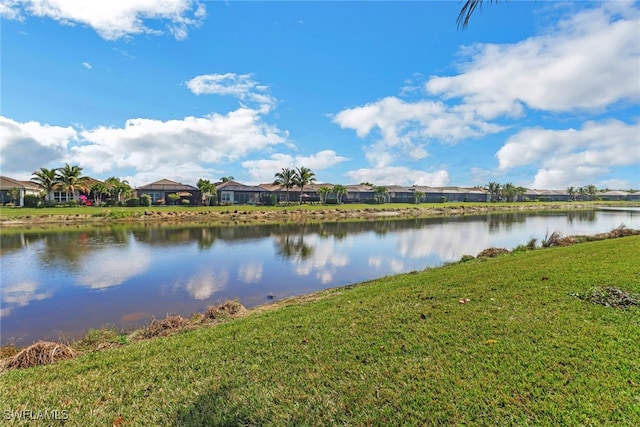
x,y
61,196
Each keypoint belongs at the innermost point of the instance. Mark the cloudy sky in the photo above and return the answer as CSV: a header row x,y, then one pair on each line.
x,y
540,94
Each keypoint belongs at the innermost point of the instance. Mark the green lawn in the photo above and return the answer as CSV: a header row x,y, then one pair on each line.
x,y
398,350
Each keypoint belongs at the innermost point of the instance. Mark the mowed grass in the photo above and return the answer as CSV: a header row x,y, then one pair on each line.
x,y
401,350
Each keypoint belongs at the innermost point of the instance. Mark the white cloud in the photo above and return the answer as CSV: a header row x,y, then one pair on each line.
x,y
154,149
28,146
263,170
406,127
241,86
146,144
114,19
400,175
572,156
589,62
87,65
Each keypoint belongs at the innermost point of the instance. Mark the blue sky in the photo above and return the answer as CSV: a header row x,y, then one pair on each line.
x,y
540,94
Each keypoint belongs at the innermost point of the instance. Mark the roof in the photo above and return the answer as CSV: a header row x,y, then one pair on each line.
x,y
7,183
236,186
167,185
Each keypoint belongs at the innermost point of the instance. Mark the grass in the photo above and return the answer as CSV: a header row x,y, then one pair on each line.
x,y
397,350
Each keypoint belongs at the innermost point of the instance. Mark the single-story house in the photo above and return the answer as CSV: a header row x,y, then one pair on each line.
x,y
159,192
546,195
233,193
20,188
614,195
455,194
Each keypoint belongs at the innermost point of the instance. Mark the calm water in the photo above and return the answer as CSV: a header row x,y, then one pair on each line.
x,y
61,284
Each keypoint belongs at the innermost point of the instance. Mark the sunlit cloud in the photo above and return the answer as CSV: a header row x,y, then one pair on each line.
x,y
263,170
114,19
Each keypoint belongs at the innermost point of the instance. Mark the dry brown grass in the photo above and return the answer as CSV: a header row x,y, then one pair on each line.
x,y
492,252
165,327
226,309
40,353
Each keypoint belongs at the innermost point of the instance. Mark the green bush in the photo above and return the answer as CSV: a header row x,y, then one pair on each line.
x,y
133,202
145,200
185,202
32,201
443,199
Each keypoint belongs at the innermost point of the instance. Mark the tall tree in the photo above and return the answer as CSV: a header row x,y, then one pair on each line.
x,y
303,176
323,192
571,191
380,194
70,178
98,189
494,189
207,189
509,191
45,178
285,178
340,190
592,191
118,188
417,196
227,178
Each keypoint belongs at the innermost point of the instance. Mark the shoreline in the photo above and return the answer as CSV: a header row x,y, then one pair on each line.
x,y
241,215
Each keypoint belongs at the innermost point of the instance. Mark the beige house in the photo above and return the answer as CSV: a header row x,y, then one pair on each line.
x,y
24,188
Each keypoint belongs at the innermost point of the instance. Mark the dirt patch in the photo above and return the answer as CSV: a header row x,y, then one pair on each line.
x,y
40,353
609,297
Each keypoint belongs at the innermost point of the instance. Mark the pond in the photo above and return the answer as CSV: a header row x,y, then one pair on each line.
x,y
59,284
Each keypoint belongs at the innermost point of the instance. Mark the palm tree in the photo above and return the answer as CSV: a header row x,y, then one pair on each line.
x,y
227,178
520,192
381,194
468,8
285,178
571,191
207,189
323,192
592,191
509,191
45,178
417,196
98,189
303,176
118,188
494,189
340,190
70,179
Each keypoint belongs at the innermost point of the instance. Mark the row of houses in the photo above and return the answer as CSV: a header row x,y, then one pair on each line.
x,y
234,193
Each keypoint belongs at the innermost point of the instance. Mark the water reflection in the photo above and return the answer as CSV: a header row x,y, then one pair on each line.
x,y
119,275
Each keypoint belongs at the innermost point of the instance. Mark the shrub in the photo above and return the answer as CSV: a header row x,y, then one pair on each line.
x,y
443,199
31,201
185,202
145,200
133,202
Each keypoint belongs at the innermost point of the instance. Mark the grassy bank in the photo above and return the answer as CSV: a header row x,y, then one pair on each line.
x,y
398,350
243,214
